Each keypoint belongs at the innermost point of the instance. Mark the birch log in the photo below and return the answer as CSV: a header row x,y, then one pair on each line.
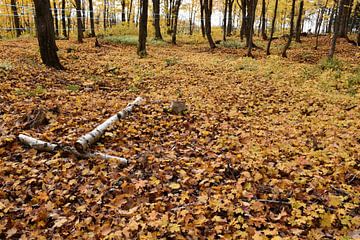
x,y
84,142
49,147
37,144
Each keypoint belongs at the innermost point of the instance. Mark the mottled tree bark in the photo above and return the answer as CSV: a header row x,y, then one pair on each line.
x,y
336,29
56,20
46,34
224,20
263,21
230,18
123,15
202,22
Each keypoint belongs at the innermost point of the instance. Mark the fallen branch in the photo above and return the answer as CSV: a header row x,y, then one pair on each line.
x,y
49,147
84,142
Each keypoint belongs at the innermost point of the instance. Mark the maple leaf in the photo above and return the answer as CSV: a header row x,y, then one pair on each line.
x,y
327,220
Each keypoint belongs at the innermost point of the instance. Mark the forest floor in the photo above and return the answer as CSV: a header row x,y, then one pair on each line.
x,y
269,148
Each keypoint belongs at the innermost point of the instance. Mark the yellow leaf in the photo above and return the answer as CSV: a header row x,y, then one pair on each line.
x,y
174,228
327,220
334,200
174,185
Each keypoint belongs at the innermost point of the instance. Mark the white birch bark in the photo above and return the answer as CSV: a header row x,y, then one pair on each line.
x,y
37,144
49,147
84,142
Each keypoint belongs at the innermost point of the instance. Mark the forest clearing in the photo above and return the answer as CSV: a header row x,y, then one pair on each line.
x,y
268,148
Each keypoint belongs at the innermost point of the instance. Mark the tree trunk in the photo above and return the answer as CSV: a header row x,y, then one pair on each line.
x,y
318,25
244,20
263,20
343,19
176,17
92,22
331,20
272,28
56,20
63,18
130,11
156,17
336,29
143,28
250,28
230,18
224,20
79,22
208,10
298,22
202,22
291,32
104,14
123,15
45,34
16,18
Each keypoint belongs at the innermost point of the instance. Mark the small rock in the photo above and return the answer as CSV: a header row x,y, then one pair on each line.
x,y
178,107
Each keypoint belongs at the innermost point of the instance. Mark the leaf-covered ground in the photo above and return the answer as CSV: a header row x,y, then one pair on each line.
x,y
268,149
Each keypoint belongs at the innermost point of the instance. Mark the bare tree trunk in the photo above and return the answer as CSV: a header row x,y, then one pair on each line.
x,y
80,35
202,17
318,25
298,22
104,14
123,15
63,18
16,18
56,20
130,11
263,20
45,34
143,28
208,10
224,20
243,28
343,19
272,28
69,22
250,31
288,43
92,23
336,29
176,17
156,17
230,18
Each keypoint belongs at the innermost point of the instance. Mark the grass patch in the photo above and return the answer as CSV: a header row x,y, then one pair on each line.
x,y
330,64
73,87
231,44
353,83
6,66
171,62
125,40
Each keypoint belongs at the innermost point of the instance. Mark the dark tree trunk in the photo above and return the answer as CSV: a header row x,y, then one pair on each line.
x,y
291,32
80,35
224,20
230,18
104,14
156,17
63,18
202,17
244,20
355,20
250,28
358,36
272,28
343,19
263,20
130,11
123,15
56,20
208,10
298,22
176,17
92,23
336,29
16,18
143,28
45,34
